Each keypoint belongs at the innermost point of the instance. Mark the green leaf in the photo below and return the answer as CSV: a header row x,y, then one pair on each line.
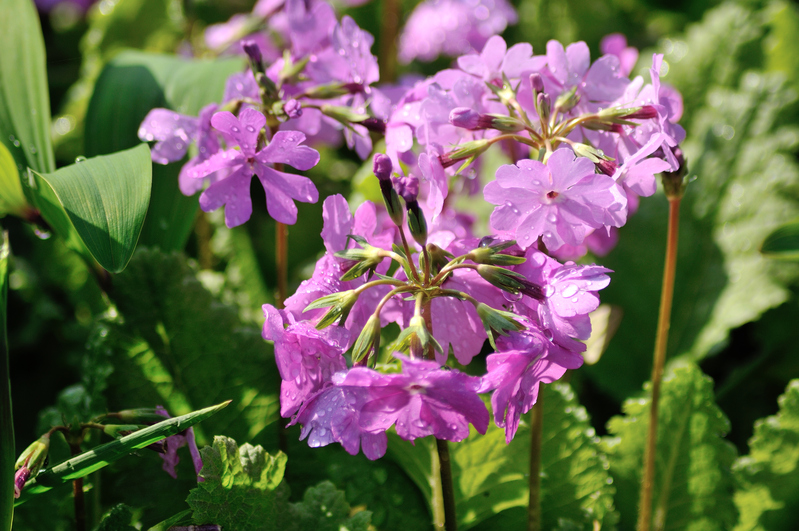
x,y
182,347
242,488
106,199
768,478
12,198
693,483
323,508
101,456
7,452
117,519
490,477
130,86
783,243
24,99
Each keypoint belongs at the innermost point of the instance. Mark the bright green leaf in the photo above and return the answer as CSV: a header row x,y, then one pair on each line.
x,y
24,99
491,483
7,453
768,478
101,456
783,243
242,488
693,482
12,198
106,199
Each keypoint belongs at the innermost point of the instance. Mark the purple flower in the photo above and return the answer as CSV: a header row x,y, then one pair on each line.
x,y
306,357
282,189
173,443
21,477
600,82
523,362
452,27
173,132
559,201
422,400
496,60
616,44
354,45
333,415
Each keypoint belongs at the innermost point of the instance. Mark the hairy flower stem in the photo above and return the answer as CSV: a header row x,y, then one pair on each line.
x,y
536,429
664,321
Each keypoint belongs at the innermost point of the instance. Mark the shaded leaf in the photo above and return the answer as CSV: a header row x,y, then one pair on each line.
x,y
783,243
693,483
101,456
323,508
768,482
117,519
106,199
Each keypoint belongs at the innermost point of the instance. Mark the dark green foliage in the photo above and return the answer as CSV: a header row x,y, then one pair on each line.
x,y
768,478
117,519
323,508
693,483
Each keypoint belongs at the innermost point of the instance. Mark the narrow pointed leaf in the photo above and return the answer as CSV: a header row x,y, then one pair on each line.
x,y
106,199
103,455
7,453
12,198
24,98
693,484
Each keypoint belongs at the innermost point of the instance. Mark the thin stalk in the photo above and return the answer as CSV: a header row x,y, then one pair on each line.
x,y
7,451
389,36
407,249
536,430
77,492
282,262
447,489
664,321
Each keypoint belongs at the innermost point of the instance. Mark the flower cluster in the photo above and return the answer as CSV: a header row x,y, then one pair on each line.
x,y
582,143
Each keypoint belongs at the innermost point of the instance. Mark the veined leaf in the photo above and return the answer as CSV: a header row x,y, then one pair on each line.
x,y
24,99
7,452
768,478
491,478
693,484
103,455
106,199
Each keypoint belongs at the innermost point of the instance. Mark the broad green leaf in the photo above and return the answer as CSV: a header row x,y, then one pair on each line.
x,y
740,146
491,477
693,483
12,198
106,199
24,99
130,86
7,453
242,488
101,456
768,478
783,243
183,347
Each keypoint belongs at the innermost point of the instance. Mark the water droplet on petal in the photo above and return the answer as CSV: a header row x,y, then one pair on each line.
x,y
569,291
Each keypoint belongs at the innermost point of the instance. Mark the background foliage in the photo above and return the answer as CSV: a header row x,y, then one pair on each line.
x,y
181,326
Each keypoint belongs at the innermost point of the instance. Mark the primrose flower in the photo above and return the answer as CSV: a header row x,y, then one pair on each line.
x,y
173,443
422,400
559,201
282,189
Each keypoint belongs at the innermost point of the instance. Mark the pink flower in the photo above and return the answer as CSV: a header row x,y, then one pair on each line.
x,y
173,443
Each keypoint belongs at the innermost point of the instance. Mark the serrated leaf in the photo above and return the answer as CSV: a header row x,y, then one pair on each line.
x,y
783,243
241,488
24,99
106,199
768,478
7,452
693,484
323,508
104,454
491,477
184,348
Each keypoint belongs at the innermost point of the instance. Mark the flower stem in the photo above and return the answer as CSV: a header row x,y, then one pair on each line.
x,y
447,490
7,452
664,321
536,429
282,259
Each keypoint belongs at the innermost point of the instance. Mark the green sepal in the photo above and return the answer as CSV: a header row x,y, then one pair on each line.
x,y
498,322
368,340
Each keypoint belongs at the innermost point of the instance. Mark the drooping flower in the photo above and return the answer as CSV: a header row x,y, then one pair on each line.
x,y
282,189
173,443
558,201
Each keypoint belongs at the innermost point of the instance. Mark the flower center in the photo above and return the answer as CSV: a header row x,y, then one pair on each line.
x,y
415,389
552,194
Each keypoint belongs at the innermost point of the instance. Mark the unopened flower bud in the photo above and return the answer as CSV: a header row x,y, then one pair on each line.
x,y
340,305
510,281
30,462
543,106
292,108
608,167
466,118
464,151
536,83
138,416
438,257
382,167
407,187
254,53
647,112
568,100
376,125
20,477
368,341
674,182
497,322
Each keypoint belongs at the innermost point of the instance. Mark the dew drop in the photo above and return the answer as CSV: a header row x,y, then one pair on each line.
x,y
250,128
16,143
42,234
549,290
80,159
234,129
512,297
33,150
569,291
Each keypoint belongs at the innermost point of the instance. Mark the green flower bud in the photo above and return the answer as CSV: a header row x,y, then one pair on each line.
x,y
498,322
34,456
368,342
